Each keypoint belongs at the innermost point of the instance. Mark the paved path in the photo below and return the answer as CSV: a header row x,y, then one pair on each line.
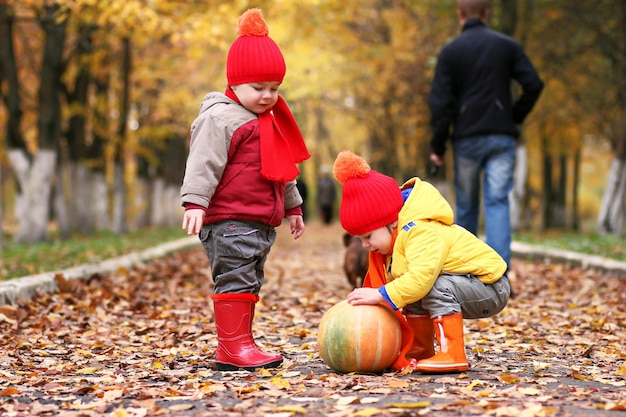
x,y
144,342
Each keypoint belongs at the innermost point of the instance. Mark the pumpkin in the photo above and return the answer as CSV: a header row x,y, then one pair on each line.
x,y
363,338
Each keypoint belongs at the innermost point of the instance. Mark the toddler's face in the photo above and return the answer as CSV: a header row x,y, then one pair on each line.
x,y
378,241
257,97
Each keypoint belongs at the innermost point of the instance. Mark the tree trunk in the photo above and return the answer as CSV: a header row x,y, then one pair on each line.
x,y
9,90
8,74
165,208
575,184
141,195
84,197
32,206
36,174
518,193
558,211
120,222
59,204
611,216
546,192
50,86
120,225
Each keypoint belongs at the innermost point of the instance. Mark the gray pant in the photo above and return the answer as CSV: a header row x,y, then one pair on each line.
x,y
237,252
463,294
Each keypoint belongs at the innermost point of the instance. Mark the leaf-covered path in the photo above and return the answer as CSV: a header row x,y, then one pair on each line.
x,y
140,342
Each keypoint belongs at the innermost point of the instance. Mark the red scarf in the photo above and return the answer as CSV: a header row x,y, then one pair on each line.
x,y
375,278
282,144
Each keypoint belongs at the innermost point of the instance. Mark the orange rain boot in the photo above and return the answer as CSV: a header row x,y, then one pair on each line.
x,y
451,356
423,336
236,348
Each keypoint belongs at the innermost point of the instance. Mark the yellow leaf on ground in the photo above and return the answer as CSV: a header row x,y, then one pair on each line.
x,y
290,408
473,384
280,383
508,379
420,404
87,371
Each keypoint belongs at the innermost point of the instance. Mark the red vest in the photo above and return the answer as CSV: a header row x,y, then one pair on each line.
x,y
243,193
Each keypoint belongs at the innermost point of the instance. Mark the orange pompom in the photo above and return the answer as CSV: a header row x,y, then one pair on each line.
x,y
349,165
251,23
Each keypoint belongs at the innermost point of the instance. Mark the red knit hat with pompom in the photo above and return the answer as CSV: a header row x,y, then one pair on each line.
x,y
370,200
254,57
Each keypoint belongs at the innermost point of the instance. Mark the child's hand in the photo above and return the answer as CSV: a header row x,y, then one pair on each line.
x,y
296,224
365,296
192,221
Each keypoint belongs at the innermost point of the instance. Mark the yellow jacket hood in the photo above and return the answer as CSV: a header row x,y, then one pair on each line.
x,y
425,203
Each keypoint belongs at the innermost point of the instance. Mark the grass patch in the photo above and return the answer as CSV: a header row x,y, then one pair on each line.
x,y
29,259
592,244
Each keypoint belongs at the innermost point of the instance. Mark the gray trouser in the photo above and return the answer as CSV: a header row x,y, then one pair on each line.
x,y
463,294
237,252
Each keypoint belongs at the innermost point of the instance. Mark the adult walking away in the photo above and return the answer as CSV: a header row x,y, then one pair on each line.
x,y
326,195
471,92
240,183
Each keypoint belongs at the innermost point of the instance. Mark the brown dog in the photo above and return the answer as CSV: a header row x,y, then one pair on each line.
x,y
356,260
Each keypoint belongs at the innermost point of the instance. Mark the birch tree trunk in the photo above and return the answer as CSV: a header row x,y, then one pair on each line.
x,y
518,193
120,224
611,216
83,199
59,202
165,207
35,179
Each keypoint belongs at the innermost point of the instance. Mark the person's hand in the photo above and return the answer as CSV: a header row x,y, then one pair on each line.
x,y
192,221
437,159
296,224
362,296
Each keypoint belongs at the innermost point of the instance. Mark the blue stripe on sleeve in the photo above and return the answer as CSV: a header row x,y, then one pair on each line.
x,y
383,292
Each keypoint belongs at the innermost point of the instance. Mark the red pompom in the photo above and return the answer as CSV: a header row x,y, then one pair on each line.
x,y
349,165
251,23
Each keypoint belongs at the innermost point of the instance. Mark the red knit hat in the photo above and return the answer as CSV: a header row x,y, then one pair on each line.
x,y
370,200
254,56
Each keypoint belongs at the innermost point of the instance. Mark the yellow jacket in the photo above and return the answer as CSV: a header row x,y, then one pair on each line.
x,y
429,244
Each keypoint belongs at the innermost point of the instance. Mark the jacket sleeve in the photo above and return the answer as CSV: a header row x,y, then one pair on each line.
x,y
208,155
292,197
442,103
526,75
425,252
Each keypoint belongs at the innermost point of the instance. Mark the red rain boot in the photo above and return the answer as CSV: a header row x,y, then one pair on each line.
x,y
423,336
235,345
451,356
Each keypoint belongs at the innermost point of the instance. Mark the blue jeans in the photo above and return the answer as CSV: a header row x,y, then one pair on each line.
x,y
495,155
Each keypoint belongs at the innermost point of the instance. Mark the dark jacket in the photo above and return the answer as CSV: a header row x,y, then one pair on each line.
x,y
471,89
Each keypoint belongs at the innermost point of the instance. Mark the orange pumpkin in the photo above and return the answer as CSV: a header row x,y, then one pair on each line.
x,y
364,338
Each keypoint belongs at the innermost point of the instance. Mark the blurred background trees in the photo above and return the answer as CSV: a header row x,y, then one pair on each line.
x,y
98,98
